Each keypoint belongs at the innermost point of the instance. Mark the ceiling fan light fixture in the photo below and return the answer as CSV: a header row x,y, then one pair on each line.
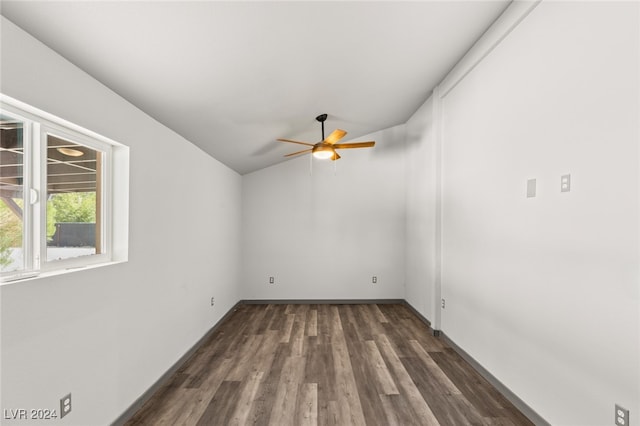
x,y
70,152
323,152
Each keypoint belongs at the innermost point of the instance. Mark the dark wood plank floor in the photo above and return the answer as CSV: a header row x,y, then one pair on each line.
x,y
326,365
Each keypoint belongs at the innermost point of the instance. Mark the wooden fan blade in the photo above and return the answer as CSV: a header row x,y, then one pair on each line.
x,y
336,156
298,142
354,145
299,152
335,136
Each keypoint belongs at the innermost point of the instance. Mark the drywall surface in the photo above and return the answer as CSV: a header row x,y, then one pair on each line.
x,y
421,169
543,291
325,234
107,334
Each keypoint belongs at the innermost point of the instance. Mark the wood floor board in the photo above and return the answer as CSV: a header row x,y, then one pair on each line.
x,y
192,408
198,375
398,343
429,342
178,379
344,380
433,370
326,365
402,329
312,324
475,387
163,402
373,318
391,416
205,392
368,387
456,412
258,325
221,406
413,328
287,328
324,324
449,408
403,410
377,312
235,344
244,401
349,314
260,411
246,358
307,405
331,415
285,403
325,374
290,308
277,317
298,341
202,358
265,395
314,353
513,415
405,382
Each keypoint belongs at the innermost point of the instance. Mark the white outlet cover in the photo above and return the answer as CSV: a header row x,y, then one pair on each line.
x,y
531,188
565,183
621,416
65,405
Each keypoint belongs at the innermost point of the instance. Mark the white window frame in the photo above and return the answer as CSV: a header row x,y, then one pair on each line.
x,y
37,126
48,128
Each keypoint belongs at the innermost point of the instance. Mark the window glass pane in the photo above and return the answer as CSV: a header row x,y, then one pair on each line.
x,y
11,194
73,199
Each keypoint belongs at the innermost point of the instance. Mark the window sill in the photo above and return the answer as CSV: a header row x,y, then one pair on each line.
x,y
29,276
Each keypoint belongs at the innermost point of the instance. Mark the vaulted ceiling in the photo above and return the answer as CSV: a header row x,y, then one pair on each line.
x,y
232,77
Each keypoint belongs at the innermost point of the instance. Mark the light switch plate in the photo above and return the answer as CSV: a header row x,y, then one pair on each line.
x,y
531,188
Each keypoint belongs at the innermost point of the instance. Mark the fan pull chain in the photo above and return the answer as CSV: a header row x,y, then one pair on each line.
x,y
311,165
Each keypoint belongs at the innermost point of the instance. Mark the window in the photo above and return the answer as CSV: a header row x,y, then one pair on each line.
x,y
12,220
56,198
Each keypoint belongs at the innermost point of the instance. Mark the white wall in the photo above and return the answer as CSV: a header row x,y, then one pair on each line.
x,y
543,292
421,174
108,334
324,235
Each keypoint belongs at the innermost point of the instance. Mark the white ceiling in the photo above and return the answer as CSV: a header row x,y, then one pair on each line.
x,y
231,77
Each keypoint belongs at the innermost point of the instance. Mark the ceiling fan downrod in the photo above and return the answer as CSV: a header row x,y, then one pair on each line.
x,y
321,118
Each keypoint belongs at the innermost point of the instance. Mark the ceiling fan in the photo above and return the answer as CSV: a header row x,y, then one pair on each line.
x,y
326,148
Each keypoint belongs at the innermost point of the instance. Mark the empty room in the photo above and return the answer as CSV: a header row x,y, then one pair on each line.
x,y
320,213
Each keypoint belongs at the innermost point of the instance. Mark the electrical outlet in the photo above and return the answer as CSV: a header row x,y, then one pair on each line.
x,y
622,416
565,183
213,301
65,405
272,280
374,279
443,303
